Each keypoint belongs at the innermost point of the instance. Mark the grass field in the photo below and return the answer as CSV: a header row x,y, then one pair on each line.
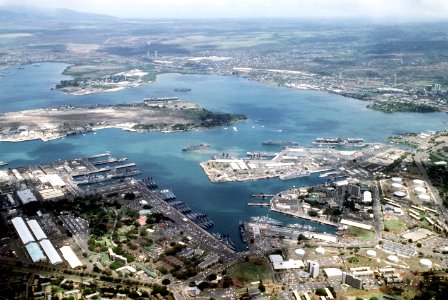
x,y
360,234
247,272
395,225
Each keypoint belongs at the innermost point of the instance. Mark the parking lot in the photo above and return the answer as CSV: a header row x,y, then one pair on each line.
x,y
399,249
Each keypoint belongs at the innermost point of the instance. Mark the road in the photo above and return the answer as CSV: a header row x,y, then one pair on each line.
x,y
376,211
434,192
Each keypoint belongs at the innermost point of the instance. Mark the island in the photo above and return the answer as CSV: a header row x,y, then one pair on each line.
x,y
152,114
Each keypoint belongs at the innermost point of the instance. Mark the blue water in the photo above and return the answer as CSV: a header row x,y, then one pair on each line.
x,y
274,113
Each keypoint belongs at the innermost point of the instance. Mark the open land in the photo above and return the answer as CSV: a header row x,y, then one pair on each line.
x,y
155,114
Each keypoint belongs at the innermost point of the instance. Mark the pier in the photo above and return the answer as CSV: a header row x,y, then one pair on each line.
x,y
259,204
261,195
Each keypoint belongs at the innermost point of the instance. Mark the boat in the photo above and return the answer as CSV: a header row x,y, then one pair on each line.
x,y
2,163
343,142
234,128
242,232
196,147
183,90
294,175
280,143
266,220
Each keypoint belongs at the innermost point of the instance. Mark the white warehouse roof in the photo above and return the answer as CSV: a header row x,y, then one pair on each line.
x,y
70,257
26,196
37,230
22,230
51,252
35,252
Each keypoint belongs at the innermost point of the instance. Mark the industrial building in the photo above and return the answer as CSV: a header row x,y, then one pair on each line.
x,y
70,257
37,230
51,252
35,252
313,268
23,231
26,196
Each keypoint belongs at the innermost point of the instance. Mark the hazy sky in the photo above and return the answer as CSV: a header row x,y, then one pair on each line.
x,y
386,10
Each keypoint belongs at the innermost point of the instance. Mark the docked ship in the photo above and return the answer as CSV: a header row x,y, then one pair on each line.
x,y
280,143
242,232
294,175
183,90
196,147
342,142
266,220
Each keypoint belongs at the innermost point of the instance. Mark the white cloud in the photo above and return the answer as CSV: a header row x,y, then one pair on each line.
x,y
406,10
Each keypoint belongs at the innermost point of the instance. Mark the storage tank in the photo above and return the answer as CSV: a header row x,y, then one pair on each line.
x,y
426,263
300,252
393,259
420,190
418,182
424,197
397,186
371,253
397,180
320,250
399,194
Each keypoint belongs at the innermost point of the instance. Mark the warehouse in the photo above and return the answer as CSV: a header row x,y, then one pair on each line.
x,y
26,196
35,253
22,230
70,257
37,230
51,252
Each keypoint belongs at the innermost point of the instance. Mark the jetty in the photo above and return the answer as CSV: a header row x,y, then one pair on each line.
x,y
259,204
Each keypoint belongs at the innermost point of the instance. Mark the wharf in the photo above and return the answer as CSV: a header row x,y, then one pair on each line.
x,y
261,195
105,169
305,217
259,204
109,161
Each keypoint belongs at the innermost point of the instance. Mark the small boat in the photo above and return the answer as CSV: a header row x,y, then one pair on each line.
x,y
2,163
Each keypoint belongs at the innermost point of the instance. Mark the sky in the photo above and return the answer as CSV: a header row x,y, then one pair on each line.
x,y
376,10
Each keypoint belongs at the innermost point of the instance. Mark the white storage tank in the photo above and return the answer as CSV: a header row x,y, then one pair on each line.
x,y
397,186
300,252
397,180
420,190
399,194
371,253
393,259
424,197
320,250
418,182
426,263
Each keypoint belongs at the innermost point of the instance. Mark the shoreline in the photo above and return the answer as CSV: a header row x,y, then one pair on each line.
x,y
304,217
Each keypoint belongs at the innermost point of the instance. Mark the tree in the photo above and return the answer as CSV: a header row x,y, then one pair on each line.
x,y
321,292
261,287
166,281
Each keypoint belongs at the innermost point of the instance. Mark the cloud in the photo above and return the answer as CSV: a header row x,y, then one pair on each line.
x,y
382,10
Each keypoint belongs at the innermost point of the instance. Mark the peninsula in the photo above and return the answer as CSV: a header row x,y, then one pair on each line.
x,y
153,114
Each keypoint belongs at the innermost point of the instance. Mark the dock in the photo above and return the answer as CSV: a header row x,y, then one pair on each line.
x,y
259,204
261,195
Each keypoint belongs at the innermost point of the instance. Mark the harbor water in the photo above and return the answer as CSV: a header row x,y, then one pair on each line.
x,y
274,113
